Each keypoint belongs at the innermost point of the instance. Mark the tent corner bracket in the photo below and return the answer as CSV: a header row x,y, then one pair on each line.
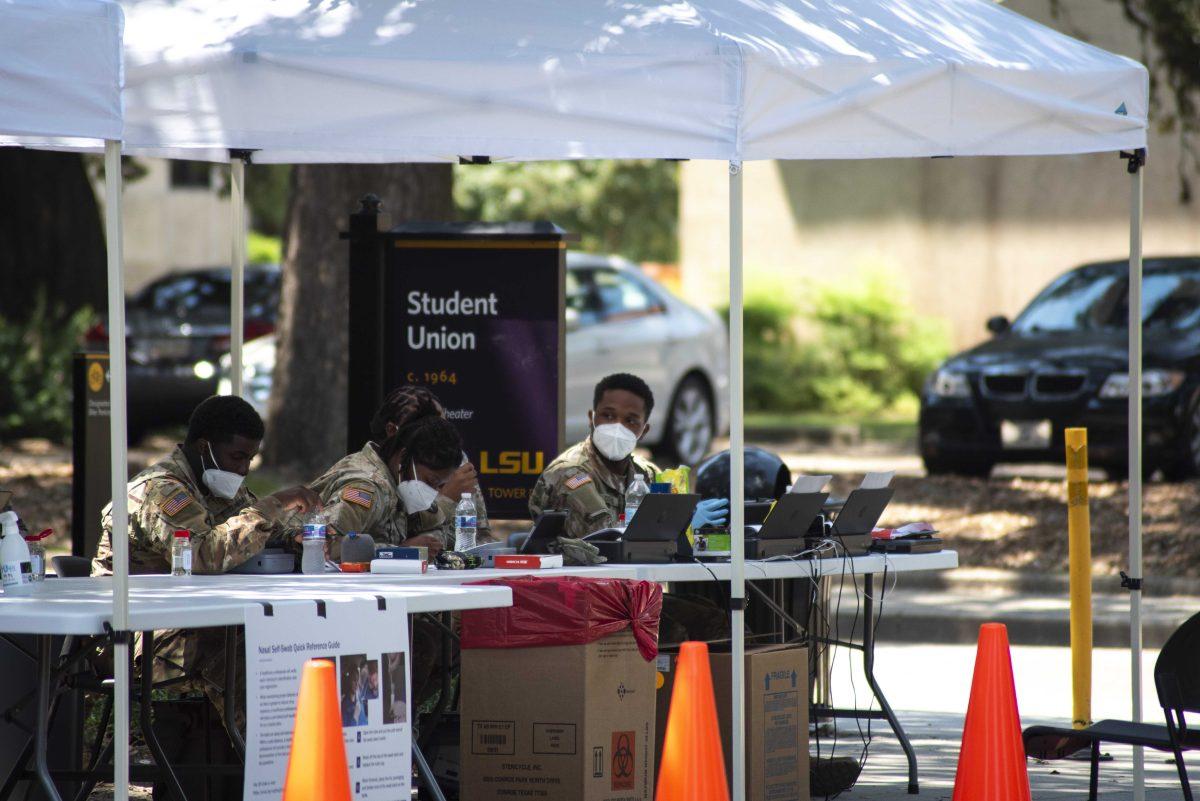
x,y
1136,159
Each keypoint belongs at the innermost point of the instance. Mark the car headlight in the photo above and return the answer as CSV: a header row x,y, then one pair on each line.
x,y
949,384
1155,383
204,370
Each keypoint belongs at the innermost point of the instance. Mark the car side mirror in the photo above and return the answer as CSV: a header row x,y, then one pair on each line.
x,y
998,324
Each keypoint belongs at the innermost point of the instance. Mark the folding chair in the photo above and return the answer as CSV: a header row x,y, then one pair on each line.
x,y
1177,680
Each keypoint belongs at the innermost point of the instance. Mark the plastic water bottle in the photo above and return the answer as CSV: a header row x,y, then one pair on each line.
x,y
37,554
181,553
312,560
16,569
638,490
465,520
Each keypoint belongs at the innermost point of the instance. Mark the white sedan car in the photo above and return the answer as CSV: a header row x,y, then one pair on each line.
x,y
618,320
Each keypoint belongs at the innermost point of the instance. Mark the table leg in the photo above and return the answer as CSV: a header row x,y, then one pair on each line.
x,y
231,691
146,718
42,728
427,776
869,671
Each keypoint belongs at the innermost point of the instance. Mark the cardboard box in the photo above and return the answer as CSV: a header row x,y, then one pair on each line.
x,y
569,723
776,717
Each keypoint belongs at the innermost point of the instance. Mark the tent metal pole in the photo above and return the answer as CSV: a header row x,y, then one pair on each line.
x,y
1136,162
119,466
237,294
737,486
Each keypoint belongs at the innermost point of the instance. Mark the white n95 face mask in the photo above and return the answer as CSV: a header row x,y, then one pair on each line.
x,y
221,483
416,495
614,441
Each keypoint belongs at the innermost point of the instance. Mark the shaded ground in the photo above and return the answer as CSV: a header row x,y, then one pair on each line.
x,y
1018,518
39,474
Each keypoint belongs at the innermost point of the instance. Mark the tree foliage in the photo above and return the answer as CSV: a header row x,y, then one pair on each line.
x,y
863,348
1170,32
626,207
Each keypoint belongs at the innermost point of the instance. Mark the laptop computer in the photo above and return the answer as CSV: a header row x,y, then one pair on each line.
x,y
783,531
757,511
792,516
662,517
548,528
861,511
655,535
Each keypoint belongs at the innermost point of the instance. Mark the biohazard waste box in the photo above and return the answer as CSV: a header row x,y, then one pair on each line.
x,y
776,721
558,692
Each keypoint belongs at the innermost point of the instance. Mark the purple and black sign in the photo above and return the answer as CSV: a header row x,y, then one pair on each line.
x,y
475,313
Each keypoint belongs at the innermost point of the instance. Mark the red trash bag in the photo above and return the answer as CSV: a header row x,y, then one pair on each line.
x,y
566,610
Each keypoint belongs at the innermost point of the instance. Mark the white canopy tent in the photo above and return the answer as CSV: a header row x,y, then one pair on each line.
x,y
387,81
61,79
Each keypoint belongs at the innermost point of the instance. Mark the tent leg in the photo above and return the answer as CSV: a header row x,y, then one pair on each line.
x,y
1136,160
737,508
119,466
237,294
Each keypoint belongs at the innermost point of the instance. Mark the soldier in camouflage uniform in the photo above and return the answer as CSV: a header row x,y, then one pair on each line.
x,y
184,491
589,480
361,493
407,403
583,482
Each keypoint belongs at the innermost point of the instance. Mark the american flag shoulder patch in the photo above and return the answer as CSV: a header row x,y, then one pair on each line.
x,y
358,496
577,481
176,503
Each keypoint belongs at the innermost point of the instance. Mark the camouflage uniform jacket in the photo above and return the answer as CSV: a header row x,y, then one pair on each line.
x,y
165,497
580,483
360,495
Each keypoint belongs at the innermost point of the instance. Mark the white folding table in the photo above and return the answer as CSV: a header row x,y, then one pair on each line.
x,y
82,607
866,567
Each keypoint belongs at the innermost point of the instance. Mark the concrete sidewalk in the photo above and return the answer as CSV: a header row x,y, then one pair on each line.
x,y
936,738
948,607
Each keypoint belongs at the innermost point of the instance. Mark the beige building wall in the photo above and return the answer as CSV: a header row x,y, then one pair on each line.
x,y
170,228
965,238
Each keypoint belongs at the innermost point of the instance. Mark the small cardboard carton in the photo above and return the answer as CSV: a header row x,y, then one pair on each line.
x,y
776,717
569,723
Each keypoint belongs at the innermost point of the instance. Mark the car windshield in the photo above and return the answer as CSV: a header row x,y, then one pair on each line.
x,y
182,295
1085,300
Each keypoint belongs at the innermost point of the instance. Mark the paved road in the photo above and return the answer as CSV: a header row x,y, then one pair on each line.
x,y
936,680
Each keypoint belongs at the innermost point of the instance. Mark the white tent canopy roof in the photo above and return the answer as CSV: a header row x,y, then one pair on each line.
x,y
432,80
60,70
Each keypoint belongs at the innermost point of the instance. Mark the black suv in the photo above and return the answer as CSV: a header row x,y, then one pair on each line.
x,y
1062,363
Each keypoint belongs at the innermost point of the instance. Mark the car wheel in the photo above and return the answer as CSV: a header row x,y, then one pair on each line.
x,y
957,466
1188,464
689,424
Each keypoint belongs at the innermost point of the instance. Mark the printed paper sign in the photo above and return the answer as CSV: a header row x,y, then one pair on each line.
x,y
369,648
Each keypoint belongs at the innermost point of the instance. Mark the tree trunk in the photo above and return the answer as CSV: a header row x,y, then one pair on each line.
x,y
306,431
51,237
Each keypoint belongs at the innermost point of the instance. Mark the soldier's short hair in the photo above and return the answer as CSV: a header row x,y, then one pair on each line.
x,y
432,440
221,418
627,382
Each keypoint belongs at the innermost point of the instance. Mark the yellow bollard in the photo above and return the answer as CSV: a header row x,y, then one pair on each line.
x,y
1079,528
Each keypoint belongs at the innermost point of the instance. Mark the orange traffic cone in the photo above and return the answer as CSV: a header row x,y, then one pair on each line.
x,y
317,769
693,764
991,763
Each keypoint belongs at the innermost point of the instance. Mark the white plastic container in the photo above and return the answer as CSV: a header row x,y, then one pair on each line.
x,y
16,569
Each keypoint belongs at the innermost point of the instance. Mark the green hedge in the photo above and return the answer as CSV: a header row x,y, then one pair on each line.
x,y
35,372
847,348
